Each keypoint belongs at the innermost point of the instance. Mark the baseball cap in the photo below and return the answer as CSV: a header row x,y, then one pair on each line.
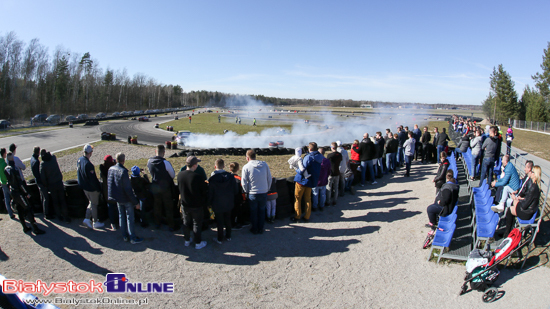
x,y
135,171
192,160
88,148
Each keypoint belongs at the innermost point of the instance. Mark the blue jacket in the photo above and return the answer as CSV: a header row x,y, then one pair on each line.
x,y
312,163
87,178
119,185
417,134
511,178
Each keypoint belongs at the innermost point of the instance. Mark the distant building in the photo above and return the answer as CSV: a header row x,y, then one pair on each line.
x,y
366,106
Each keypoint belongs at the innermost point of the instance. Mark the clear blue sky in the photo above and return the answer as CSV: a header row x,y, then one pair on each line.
x,y
401,51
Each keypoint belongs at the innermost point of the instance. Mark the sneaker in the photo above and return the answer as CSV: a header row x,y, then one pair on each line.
x,y
98,225
305,220
216,240
429,225
187,243
88,223
201,245
136,240
498,208
26,229
362,185
38,231
228,239
374,182
126,238
294,219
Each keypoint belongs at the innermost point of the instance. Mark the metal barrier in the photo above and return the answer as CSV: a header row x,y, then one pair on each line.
x,y
532,125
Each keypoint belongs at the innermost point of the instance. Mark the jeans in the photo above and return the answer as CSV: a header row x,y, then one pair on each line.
x,y
126,219
91,211
192,220
45,199
378,167
341,185
349,181
408,160
332,185
7,199
364,165
457,152
319,196
304,191
223,219
475,159
509,147
257,212
390,161
370,165
487,170
440,149
400,156
271,208
433,211
113,214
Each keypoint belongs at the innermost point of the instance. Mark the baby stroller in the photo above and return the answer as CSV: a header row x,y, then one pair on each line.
x,y
481,266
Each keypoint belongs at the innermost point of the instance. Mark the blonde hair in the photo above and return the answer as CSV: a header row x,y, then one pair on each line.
x,y
537,172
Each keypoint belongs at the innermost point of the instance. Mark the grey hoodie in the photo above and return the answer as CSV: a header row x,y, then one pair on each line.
x,y
490,147
256,177
475,144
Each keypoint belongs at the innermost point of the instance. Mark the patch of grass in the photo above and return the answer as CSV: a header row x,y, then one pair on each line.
x,y
277,164
534,143
440,125
207,123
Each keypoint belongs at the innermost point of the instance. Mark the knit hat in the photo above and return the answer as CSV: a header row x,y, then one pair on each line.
x,y
135,171
109,159
298,151
509,130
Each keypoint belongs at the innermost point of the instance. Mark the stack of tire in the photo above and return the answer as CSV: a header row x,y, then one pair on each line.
x,y
77,202
285,202
34,192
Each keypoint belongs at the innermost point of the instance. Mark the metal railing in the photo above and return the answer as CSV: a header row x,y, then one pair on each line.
x,y
531,125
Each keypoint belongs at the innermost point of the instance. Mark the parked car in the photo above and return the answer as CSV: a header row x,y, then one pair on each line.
x,y
4,124
100,115
143,118
39,118
53,119
82,117
115,114
70,118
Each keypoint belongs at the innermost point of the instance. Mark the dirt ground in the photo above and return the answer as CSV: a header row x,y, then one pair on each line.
x,y
364,253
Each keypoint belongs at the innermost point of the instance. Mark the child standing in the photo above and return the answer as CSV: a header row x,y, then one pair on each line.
x,y
272,201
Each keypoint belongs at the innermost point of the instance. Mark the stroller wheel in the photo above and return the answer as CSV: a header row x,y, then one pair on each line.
x,y
489,295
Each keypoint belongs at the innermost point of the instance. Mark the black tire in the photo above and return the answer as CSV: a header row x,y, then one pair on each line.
x,y
489,295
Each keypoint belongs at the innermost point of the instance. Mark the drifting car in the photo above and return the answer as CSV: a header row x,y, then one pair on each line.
x,y
181,137
143,118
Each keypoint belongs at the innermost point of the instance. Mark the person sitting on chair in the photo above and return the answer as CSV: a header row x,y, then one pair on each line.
x,y
445,200
526,203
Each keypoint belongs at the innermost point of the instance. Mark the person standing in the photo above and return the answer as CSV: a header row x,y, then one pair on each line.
x,y
4,182
489,148
442,139
418,146
509,139
256,181
120,191
435,152
87,181
425,141
391,152
319,193
108,161
254,122
409,146
194,197
335,159
20,196
35,167
343,166
475,144
379,144
18,163
219,118
52,179
222,188
367,153
162,174
312,163
401,138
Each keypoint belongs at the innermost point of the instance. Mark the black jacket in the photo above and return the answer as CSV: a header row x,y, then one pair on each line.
x,y
193,190
35,167
366,150
442,138
17,185
140,185
425,139
464,144
379,147
447,197
222,188
161,181
441,174
335,158
531,194
392,145
50,172
402,138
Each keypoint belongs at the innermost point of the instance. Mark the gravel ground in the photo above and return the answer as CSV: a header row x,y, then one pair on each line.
x,y
363,253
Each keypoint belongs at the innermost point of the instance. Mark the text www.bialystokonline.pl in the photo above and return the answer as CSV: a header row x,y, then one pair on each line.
x,y
88,301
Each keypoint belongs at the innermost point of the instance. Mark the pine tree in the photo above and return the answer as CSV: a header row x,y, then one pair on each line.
x,y
505,96
535,108
542,80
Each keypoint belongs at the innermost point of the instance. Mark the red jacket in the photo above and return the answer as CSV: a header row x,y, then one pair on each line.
x,y
355,153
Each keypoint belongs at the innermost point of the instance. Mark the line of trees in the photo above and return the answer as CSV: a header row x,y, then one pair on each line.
x,y
502,102
32,81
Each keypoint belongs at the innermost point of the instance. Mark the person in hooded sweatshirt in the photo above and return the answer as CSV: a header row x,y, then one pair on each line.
x,y
222,188
303,187
319,193
108,162
439,179
475,144
343,166
19,195
256,180
53,181
462,146
410,147
296,162
445,200
489,148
